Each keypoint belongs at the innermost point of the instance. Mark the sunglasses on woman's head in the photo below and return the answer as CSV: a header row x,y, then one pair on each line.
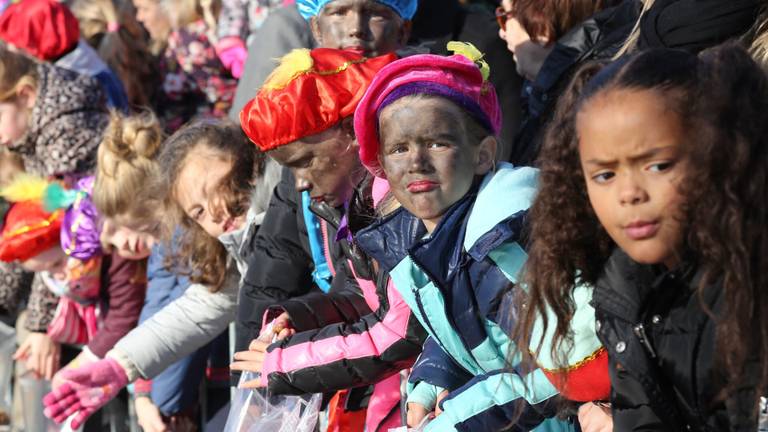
x,y
502,15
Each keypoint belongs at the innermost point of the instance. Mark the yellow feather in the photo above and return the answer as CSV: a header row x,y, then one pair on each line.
x,y
25,187
291,65
472,53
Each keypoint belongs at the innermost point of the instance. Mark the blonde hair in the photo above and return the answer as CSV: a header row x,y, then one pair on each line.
x,y
16,70
94,17
185,12
634,36
126,170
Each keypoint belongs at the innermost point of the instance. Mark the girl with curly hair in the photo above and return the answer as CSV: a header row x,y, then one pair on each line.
x,y
653,184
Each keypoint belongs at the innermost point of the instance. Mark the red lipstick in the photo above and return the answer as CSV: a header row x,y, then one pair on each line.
x,y
422,186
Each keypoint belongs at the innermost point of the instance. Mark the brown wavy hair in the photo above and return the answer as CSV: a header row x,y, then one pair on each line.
x,y
554,18
204,256
722,99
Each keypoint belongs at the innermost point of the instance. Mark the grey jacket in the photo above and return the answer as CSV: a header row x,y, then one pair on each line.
x,y
283,31
198,316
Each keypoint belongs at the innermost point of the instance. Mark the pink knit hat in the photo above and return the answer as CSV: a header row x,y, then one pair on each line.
x,y
457,78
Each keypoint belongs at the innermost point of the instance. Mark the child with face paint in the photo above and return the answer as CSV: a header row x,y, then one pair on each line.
x,y
453,248
370,336
368,27
371,27
652,191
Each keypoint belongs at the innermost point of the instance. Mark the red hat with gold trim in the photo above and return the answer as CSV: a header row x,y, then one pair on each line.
x,y
309,92
28,229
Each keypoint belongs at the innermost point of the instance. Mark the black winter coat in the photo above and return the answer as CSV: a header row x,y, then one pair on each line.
x,y
280,269
597,38
661,348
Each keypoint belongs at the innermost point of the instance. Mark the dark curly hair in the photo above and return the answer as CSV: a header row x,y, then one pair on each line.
x,y
204,255
721,97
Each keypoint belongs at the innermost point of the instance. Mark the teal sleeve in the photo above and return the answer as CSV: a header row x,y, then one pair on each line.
x,y
424,394
493,401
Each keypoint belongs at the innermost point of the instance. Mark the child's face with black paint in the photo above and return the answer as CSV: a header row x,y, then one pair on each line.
x,y
429,155
630,147
325,164
365,26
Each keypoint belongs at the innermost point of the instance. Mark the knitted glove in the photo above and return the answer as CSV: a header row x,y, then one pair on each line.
x,y
232,53
85,390
86,357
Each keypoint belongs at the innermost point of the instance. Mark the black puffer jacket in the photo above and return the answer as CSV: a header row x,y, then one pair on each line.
x,y
280,268
661,346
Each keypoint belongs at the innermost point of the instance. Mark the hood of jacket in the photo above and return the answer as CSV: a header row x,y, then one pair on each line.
x,y
236,242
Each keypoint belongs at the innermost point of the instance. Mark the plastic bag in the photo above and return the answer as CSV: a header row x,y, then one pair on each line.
x,y
419,428
252,411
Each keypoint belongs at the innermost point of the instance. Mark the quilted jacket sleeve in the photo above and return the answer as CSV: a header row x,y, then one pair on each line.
x,y
435,367
347,355
498,399
343,303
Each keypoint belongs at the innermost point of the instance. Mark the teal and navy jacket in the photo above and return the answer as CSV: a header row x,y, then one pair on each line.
x,y
455,280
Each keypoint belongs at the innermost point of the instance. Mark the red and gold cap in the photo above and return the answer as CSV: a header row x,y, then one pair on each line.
x,y
309,92
28,231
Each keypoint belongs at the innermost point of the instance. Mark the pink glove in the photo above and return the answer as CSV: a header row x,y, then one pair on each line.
x,y
232,53
85,390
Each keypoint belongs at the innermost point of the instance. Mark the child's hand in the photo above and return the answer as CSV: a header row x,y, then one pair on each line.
x,y
595,418
84,390
251,361
417,411
148,415
85,357
40,354
277,330
440,398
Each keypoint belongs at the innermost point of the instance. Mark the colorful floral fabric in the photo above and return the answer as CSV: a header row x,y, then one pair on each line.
x,y
195,82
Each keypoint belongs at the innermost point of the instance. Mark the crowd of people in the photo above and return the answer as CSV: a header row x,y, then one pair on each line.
x,y
442,215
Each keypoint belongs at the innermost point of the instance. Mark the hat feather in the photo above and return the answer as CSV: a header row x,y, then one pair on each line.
x,y
471,52
292,65
25,187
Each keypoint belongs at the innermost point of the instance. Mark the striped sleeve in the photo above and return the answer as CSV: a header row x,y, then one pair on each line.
x,y
499,399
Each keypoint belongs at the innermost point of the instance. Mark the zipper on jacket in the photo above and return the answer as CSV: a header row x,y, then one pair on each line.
x,y
423,312
417,296
640,333
326,245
